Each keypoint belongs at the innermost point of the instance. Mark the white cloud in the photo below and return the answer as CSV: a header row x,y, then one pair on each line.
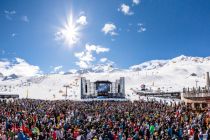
x,y
13,35
86,57
82,64
57,69
82,20
9,14
103,59
19,67
98,49
25,19
109,28
90,48
136,2
79,54
125,9
101,49
141,28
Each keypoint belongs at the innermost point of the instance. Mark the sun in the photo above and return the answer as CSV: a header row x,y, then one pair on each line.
x,y
69,33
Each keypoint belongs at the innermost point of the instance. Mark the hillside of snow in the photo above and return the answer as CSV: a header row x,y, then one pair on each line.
x,y
165,75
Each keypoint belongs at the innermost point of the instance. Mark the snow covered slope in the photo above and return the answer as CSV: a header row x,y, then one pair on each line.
x,y
166,75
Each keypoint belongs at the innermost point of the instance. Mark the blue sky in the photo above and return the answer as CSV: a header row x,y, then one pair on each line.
x,y
116,32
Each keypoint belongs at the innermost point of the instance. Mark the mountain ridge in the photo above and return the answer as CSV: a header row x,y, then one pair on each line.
x,y
101,68
164,75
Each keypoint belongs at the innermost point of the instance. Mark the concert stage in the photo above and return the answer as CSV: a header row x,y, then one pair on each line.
x,y
102,89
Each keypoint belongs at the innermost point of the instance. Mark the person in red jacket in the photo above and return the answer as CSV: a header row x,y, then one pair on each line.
x,y
75,133
54,135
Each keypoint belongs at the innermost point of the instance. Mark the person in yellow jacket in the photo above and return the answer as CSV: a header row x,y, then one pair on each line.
x,y
95,138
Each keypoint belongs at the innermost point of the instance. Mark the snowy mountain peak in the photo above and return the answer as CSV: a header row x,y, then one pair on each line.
x,y
155,64
10,77
103,68
181,58
100,68
190,59
149,65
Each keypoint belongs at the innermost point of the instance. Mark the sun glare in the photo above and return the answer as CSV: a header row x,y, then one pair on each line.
x,y
70,32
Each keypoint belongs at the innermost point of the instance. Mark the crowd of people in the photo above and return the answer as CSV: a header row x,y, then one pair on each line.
x,y
26,119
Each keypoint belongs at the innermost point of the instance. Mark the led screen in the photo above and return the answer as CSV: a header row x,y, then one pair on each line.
x,y
103,87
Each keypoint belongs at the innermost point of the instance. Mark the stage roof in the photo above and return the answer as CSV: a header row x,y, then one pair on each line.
x,y
103,81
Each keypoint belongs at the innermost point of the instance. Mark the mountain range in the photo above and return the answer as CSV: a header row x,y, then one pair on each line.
x,y
166,75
